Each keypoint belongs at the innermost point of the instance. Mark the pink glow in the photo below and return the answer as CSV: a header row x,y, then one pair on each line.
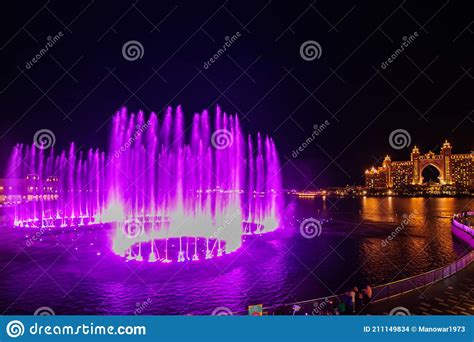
x,y
173,194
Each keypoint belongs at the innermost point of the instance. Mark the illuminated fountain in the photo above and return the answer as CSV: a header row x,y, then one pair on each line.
x,y
172,194
60,190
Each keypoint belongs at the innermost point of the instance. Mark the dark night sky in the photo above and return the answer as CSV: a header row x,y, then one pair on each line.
x,y
427,90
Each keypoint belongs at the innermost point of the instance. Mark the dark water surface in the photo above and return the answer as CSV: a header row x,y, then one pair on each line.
x,y
76,273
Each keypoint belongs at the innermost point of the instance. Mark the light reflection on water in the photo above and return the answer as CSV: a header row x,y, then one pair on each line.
x,y
424,243
281,267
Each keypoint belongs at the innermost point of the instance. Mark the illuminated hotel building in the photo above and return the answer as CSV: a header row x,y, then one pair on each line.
x,y
31,188
455,170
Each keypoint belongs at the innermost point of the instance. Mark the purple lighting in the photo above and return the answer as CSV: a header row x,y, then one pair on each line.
x,y
172,194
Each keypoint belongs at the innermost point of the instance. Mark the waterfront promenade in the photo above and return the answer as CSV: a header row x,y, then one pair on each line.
x,y
448,290
450,296
453,295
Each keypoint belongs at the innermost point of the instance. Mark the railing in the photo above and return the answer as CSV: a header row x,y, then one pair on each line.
x,y
402,286
409,284
326,305
457,222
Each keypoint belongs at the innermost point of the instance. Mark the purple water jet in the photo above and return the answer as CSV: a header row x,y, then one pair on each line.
x,y
172,194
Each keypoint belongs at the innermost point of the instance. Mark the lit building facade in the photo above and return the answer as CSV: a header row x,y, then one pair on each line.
x,y
456,171
32,188
376,178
